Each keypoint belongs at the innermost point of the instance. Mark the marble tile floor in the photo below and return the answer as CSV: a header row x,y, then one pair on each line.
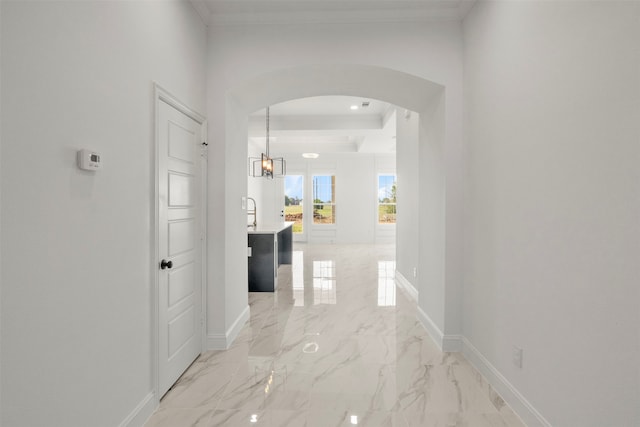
x,y
338,344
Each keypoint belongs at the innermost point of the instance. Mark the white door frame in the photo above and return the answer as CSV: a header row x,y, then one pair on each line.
x,y
162,95
301,237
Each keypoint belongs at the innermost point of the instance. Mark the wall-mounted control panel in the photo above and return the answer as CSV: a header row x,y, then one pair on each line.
x,y
89,160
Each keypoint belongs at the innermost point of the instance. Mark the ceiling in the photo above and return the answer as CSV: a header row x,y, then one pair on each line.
x,y
326,124
298,11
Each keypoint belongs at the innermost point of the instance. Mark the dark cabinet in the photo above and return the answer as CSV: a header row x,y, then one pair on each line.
x,y
268,251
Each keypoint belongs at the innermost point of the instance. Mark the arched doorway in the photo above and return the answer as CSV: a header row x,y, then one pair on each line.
x,y
227,243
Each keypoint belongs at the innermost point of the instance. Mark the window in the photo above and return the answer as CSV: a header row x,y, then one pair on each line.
x,y
386,199
293,190
324,199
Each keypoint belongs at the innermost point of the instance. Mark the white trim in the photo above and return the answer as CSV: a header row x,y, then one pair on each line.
x,y
204,168
432,329
452,343
162,95
263,16
458,343
301,237
203,11
516,401
407,286
224,341
446,343
142,412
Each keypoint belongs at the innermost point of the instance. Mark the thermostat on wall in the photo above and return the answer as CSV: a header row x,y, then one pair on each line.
x,y
89,160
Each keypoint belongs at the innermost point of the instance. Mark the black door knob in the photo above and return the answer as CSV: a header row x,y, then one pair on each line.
x,y
166,264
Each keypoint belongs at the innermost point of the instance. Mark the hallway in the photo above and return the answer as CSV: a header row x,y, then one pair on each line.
x,y
336,345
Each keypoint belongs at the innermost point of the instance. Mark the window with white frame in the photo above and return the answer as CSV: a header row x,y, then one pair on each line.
x,y
293,198
324,199
387,198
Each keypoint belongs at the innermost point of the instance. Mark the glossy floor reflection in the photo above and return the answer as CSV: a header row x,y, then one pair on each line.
x,y
337,345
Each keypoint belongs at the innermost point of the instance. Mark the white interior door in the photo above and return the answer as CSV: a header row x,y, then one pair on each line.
x,y
179,245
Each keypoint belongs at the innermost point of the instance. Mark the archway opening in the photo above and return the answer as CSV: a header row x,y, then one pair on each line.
x,y
397,88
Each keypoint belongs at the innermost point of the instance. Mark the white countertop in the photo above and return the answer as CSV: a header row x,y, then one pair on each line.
x,y
269,228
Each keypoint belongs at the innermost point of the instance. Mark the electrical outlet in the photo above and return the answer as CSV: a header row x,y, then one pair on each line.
x,y
516,357
415,271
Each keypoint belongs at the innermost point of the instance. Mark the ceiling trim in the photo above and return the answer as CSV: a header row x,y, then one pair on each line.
x,y
203,10
452,10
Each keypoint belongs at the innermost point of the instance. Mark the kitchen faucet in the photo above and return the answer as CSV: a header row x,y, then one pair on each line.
x,y
253,211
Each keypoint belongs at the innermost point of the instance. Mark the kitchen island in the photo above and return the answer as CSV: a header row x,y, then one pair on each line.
x,y
270,245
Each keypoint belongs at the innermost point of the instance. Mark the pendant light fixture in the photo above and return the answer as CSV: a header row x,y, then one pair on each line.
x,y
265,166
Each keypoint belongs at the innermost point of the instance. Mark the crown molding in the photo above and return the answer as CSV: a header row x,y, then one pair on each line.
x,y
203,10
276,12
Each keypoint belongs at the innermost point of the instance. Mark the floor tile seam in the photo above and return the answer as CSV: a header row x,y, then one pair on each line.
x,y
210,417
262,406
207,419
220,393
261,325
226,387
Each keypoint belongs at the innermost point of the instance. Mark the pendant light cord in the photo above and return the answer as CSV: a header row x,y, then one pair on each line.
x,y
267,144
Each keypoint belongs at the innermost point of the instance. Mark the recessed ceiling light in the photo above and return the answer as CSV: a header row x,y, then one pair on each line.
x,y
310,155
354,107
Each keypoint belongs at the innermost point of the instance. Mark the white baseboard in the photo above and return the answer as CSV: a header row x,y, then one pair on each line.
x,y
516,401
142,412
403,283
432,329
452,343
458,343
223,341
446,343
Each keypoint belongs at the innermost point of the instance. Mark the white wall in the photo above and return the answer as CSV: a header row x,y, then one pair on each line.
x,y
407,194
552,244
241,55
76,246
432,234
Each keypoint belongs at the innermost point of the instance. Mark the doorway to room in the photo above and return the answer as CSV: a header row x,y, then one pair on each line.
x,y
340,182
427,265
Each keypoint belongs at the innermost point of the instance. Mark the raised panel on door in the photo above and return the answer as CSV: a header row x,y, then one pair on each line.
x,y
181,190
180,142
181,236
181,283
181,330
